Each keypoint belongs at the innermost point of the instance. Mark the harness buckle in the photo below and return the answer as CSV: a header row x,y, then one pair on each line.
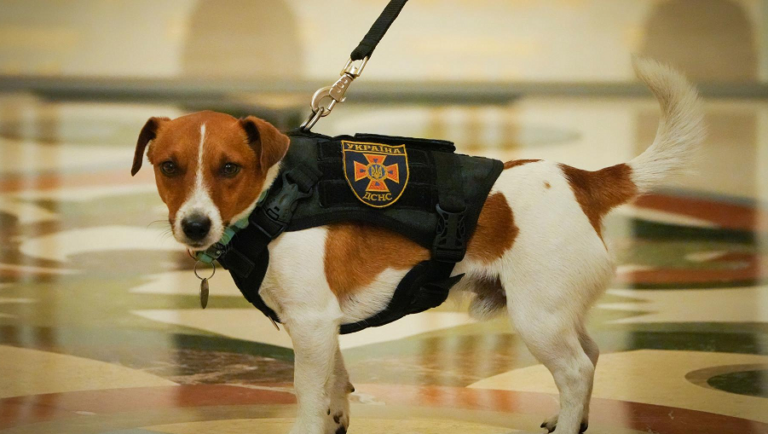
x,y
450,243
212,253
278,211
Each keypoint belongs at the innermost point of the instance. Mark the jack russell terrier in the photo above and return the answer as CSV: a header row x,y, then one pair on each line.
x,y
537,249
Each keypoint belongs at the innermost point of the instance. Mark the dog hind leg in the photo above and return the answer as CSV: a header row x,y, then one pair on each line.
x,y
549,321
558,348
593,352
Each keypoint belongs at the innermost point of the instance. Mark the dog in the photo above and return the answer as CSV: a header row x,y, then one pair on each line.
x,y
537,251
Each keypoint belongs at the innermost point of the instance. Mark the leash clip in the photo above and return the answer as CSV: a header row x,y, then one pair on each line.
x,y
320,105
354,70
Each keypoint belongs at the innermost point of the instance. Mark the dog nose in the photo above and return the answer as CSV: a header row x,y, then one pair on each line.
x,y
196,226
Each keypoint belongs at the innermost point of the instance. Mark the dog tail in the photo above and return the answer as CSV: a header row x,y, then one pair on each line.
x,y
680,132
681,128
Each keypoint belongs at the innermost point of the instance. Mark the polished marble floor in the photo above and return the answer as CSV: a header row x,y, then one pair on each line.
x,y
101,332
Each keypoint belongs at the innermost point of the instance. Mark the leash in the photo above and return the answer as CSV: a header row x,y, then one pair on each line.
x,y
325,99
322,103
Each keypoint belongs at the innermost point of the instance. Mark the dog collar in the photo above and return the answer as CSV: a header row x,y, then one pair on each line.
x,y
220,247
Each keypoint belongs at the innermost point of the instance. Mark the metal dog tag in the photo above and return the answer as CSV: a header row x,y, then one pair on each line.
x,y
204,293
204,284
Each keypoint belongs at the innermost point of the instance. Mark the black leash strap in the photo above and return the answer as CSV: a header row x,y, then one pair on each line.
x,y
377,31
326,98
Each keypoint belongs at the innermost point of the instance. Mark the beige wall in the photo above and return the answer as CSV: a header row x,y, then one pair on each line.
x,y
560,40
92,37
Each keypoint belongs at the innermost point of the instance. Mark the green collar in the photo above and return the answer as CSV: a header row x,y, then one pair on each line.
x,y
215,251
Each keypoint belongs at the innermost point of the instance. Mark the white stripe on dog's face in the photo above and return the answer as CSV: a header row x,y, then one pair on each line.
x,y
202,187
199,203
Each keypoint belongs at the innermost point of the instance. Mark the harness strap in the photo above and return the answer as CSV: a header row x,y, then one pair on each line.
x,y
247,256
450,242
248,269
371,40
239,263
276,214
425,286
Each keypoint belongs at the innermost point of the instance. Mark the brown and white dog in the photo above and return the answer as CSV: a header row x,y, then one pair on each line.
x,y
537,250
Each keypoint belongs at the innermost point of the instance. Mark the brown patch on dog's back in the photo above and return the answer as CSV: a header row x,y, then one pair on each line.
x,y
599,191
356,253
515,163
496,230
546,185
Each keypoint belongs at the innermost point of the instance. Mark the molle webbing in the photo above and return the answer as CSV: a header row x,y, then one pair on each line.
x,y
440,203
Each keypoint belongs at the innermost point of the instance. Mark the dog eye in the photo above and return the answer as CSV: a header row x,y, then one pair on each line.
x,y
169,168
230,170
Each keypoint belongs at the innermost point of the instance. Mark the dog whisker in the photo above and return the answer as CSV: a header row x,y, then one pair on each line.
x,y
157,221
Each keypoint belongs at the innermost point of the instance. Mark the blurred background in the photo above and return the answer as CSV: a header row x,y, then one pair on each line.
x,y
487,40
482,73
98,306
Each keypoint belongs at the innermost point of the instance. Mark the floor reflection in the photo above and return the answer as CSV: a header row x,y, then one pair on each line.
x,y
100,299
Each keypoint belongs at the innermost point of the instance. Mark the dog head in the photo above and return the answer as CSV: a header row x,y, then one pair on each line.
x,y
210,169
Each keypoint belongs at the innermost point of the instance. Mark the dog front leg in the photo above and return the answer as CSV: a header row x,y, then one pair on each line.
x,y
315,342
340,388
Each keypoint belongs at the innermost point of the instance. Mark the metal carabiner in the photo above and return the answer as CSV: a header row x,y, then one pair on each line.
x,y
316,104
312,120
335,92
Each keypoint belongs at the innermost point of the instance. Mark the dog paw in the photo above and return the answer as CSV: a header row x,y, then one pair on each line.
x,y
551,424
337,423
338,416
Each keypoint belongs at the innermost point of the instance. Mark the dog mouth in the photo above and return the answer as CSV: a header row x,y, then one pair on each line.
x,y
194,245
198,246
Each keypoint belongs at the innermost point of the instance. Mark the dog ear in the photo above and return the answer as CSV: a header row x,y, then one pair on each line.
x,y
268,142
147,134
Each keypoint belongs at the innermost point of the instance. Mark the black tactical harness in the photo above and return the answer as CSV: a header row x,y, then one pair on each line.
x,y
438,209
429,194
